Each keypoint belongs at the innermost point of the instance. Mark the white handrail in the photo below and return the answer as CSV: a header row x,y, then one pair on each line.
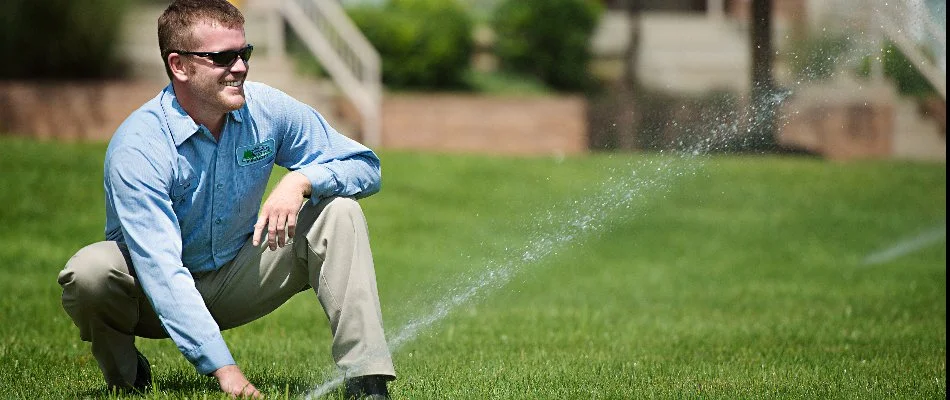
x,y
889,19
348,57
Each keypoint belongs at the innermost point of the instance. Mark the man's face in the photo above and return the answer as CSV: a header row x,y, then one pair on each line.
x,y
217,88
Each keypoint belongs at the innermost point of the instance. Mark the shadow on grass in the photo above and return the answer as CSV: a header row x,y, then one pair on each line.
x,y
172,387
275,384
182,385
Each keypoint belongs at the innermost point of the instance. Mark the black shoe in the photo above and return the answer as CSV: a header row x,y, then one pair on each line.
x,y
143,377
143,374
368,387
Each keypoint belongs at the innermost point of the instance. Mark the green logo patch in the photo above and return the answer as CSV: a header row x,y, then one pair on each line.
x,y
250,154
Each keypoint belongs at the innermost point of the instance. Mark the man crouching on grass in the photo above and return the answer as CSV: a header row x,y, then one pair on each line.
x,y
189,248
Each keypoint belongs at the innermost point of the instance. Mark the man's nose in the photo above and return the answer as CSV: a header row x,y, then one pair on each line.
x,y
240,65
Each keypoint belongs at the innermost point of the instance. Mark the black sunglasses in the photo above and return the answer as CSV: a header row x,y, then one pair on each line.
x,y
224,58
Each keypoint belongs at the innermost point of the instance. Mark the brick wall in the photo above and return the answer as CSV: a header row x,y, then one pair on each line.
x,y
70,110
840,124
836,123
486,124
459,123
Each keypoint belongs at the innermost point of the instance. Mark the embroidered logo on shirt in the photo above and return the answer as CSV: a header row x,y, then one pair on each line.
x,y
251,154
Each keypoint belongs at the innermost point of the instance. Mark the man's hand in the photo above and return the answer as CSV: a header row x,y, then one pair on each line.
x,y
279,212
234,383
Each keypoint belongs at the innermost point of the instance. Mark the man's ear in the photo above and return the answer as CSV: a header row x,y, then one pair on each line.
x,y
176,63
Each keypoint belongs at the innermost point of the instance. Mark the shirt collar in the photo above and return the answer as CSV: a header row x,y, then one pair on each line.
x,y
179,122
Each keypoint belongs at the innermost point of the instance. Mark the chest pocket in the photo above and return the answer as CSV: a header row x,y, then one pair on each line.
x,y
185,184
182,189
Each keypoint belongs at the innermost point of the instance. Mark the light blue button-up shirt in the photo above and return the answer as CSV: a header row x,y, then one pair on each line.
x,y
185,203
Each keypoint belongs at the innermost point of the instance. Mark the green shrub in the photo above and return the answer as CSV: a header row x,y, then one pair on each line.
x,y
548,39
814,59
59,39
424,44
819,58
502,83
906,76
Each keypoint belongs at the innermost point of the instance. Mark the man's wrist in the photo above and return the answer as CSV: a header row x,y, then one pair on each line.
x,y
300,182
225,370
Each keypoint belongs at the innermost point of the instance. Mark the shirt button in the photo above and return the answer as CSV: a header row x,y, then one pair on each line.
x,y
218,221
220,186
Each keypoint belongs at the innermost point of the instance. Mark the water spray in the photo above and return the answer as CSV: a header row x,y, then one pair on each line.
x,y
620,191
626,190
907,245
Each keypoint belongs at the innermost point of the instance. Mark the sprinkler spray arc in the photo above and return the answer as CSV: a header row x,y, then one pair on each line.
x,y
588,216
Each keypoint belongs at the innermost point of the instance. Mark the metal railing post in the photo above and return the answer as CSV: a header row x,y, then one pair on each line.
x,y
346,54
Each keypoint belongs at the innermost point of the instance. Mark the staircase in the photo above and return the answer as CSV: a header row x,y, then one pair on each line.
x,y
342,50
685,53
693,53
909,24
915,28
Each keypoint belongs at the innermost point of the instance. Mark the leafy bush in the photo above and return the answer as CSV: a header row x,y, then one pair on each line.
x,y
502,83
906,76
814,59
548,39
817,59
59,39
424,44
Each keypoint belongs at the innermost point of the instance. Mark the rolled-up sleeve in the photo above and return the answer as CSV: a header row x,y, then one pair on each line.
x,y
335,164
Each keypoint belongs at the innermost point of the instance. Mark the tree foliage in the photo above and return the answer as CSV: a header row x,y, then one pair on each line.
x,y
424,44
59,39
548,39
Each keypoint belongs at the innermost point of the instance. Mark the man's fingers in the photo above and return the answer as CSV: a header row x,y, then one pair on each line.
x,y
233,382
281,224
258,228
272,233
246,392
278,220
250,391
291,225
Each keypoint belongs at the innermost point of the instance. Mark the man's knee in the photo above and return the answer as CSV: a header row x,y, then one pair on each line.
x,y
344,206
332,211
92,270
335,221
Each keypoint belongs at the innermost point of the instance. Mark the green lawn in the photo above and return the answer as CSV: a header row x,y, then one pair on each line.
x,y
595,277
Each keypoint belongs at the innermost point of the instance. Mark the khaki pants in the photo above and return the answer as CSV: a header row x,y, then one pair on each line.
x,y
102,294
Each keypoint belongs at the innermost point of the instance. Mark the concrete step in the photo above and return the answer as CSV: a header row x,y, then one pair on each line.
x,y
143,63
666,30
680,52
691,31
138,44
321,94
693,53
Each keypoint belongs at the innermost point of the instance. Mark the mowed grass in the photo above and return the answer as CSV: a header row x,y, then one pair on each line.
x,y
619,276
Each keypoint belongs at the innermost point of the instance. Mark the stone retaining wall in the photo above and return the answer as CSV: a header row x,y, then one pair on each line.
x,y
842,131
70,110
450,123
838,123
835,123
486,124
